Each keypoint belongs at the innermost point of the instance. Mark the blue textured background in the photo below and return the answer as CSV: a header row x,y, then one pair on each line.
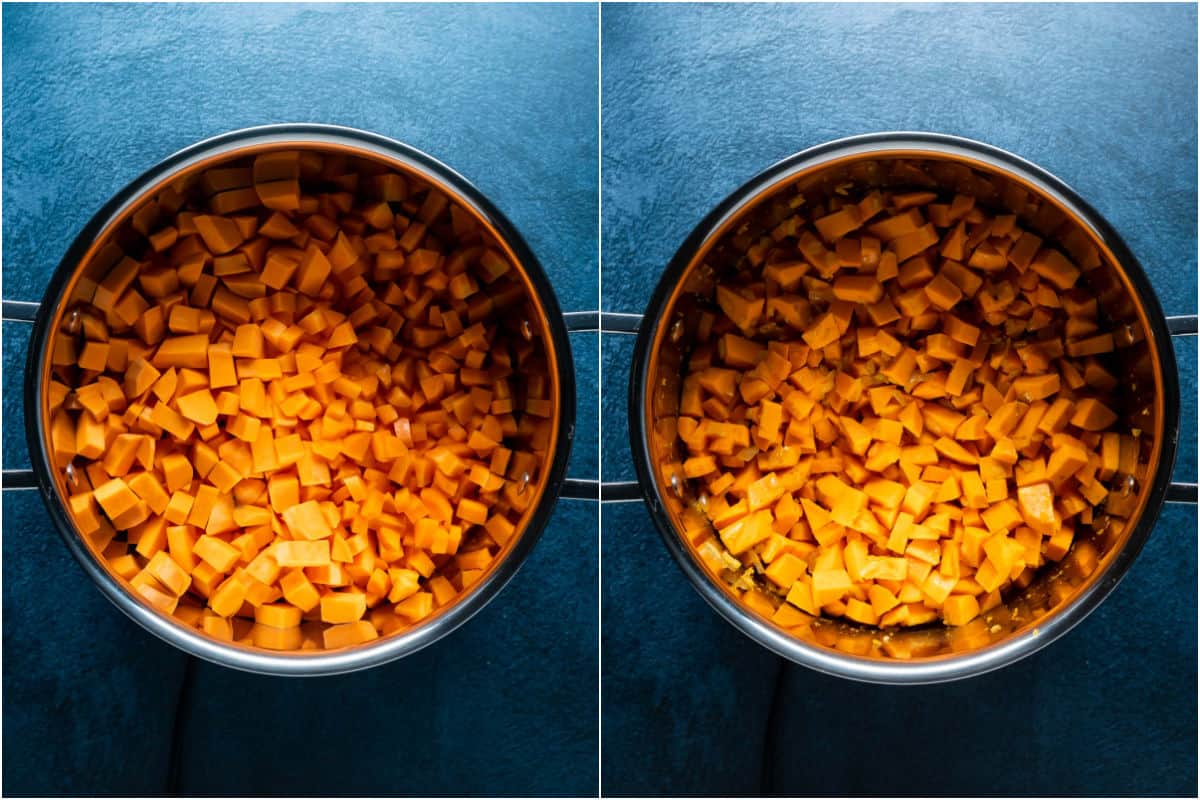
x,y
505,95
696,100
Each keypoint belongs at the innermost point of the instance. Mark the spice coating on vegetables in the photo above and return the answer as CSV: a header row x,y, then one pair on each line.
x,y
898,407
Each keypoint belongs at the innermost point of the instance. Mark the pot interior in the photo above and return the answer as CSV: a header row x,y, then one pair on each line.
x,y
123,235
1118,528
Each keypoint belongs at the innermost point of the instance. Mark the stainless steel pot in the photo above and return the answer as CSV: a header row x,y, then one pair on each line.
x,y
111,225
1058,599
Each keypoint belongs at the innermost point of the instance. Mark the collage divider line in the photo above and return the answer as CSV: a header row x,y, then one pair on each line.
x,y
600,398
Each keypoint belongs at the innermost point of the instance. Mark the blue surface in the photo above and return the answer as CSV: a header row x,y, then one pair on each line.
x,y
94,95
696,100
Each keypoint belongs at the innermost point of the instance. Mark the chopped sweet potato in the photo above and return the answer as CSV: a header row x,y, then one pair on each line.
x,y
311,408
885,415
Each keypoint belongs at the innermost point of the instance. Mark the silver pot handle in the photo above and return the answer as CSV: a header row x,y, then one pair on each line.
x,y
602,322
579,488
605,492
15,479
1181,493
20,311
574,488
1183,325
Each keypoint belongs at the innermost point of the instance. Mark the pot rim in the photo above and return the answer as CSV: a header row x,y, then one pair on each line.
x,y
386,648
941,668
